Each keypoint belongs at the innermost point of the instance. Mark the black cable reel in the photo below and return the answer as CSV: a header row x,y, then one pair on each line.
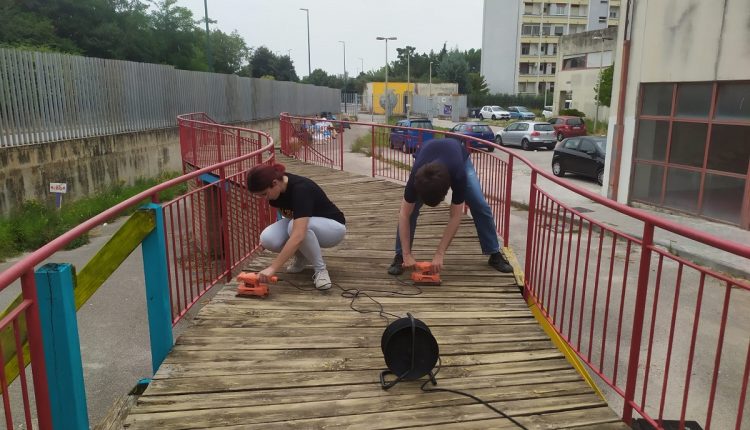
x,y
410,351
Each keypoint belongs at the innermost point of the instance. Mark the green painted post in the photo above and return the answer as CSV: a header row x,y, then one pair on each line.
x,y
154,250
62,349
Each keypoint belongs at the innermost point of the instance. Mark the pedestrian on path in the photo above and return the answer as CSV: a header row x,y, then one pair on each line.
x,y
310,221
441,164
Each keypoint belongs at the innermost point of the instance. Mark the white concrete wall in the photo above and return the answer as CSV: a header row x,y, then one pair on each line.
x,y
677,41
501,27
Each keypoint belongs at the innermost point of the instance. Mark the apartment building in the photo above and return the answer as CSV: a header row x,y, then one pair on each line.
x,y
520,39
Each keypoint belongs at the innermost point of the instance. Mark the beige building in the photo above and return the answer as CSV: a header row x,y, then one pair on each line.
x,y
520,39
679,131
580,59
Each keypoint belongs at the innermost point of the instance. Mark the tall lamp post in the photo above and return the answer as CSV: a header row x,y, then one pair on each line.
x,y
209,58
408,84
361,65
309,68
430,89
599,86
387,99
344,44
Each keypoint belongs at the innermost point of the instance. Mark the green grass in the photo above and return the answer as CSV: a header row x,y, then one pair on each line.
x,y
601,128
35,224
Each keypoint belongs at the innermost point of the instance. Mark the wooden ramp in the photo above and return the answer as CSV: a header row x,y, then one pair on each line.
x,y
304,359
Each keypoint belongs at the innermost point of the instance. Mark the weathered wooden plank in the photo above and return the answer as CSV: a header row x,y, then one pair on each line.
x,y
304,359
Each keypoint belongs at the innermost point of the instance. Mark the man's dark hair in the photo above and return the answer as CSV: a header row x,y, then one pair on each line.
x,y
431,183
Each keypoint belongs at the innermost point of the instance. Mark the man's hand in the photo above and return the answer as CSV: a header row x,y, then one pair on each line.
x,y
409,261
437,263
266,274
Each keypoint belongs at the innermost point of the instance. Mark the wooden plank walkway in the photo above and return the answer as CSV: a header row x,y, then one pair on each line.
x,y
304,359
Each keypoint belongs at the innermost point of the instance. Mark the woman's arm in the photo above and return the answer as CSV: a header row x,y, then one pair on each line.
x,y
299,230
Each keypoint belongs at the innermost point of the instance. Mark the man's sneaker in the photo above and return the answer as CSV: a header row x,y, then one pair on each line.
x,y
297,264
322,280
499,262
397,267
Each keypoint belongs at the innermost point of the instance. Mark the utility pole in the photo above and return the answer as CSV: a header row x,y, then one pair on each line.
x,y
344,44
408,84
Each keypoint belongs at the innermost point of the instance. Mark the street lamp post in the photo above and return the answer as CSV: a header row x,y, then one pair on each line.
x,y
408,84
430,89
309,67
387,99
361,64
209,58
344,44
599,86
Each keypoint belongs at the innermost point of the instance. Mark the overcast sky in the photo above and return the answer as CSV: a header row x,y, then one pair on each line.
x,y
281,26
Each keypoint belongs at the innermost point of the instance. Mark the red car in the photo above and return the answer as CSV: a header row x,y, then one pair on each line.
x,y
568,126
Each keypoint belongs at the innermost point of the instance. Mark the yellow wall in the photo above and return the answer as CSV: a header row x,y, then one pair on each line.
x,y
396,88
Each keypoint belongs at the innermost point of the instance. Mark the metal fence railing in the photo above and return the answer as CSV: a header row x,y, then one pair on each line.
x,y
667,338
48,96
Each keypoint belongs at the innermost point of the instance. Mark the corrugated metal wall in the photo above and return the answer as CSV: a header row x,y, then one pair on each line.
x,y
47,96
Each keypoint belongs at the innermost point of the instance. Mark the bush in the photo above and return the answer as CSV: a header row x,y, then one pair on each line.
x,y
572,112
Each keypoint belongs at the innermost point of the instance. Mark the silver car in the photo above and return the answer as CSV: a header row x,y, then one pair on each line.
x,y
528,135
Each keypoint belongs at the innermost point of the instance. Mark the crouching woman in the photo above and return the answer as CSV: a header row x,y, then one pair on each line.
x,y
310,221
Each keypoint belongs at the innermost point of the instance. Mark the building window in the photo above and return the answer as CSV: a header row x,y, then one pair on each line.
x,y
530,30
602,19
578,62
692,149
559,30
614,12
558,9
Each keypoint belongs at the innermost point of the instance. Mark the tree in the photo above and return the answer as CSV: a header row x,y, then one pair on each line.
x,y
454,68
263,62
178,41
230,53
477,88
474,58
603,87
285,69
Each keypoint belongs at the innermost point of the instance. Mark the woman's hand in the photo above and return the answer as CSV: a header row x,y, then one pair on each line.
x,y
266,274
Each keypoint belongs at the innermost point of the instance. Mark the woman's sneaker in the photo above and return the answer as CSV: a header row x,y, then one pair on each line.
x,y
297,264
322,280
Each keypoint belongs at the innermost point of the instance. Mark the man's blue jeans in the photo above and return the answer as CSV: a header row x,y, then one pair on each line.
x,y
480,212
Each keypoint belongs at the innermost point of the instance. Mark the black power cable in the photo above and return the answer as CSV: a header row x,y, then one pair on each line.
x,y
355,293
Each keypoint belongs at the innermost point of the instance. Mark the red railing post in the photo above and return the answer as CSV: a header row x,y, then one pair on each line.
x,y
224,224
638,314
506,209
341,145
372,149
529,232
36,350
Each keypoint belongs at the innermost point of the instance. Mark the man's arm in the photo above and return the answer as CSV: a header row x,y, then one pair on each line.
x,y
404,232
449,233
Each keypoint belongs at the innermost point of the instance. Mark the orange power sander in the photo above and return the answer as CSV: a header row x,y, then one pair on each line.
x,y
250,285
423,275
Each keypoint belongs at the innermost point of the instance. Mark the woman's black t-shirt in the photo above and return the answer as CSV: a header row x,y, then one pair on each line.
x,y
304,198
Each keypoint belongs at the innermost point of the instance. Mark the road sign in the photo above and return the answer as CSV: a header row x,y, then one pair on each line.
x,y
58,187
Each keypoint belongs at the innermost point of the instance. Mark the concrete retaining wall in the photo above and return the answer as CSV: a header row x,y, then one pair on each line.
x,y
91,164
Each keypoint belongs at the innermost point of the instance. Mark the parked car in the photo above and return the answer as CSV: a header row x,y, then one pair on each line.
x,y
581,155
547,112
494,112
415,131
478,130
520,112
527,134
568,126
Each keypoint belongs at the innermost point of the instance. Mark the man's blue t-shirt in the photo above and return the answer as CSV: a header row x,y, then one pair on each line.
x,y
453,155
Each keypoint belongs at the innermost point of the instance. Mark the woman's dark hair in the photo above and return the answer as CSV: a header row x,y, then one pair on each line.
x,y
431,183
262,176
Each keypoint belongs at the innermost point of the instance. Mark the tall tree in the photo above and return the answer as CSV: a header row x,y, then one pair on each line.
x,y
284,70
229,51
263,62
603,87
455,68
474,58
178,41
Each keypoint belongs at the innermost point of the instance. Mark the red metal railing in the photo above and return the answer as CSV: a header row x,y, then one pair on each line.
x,y
667,336
219,186
217,224
313,141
